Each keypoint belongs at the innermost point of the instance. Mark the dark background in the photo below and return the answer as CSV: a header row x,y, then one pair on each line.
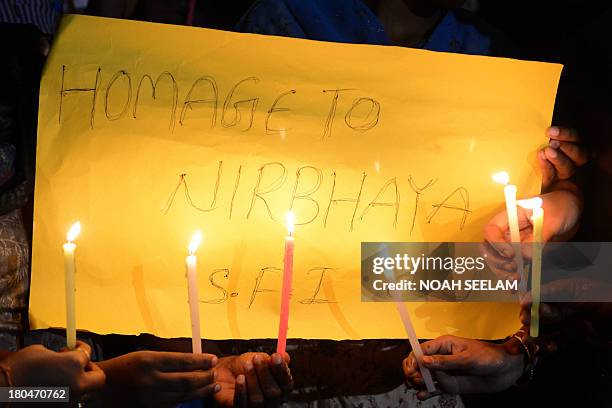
x,y
576,33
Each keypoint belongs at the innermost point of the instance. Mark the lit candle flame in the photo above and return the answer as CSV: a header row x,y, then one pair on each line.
x,y
501,177
196,240
74,231
290,222
530,203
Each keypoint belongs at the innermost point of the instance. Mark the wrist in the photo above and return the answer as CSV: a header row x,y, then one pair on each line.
x,y
523,347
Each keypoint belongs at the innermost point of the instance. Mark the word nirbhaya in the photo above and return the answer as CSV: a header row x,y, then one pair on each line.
x,y
309,180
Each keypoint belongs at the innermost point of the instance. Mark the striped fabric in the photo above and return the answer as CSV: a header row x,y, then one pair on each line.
x,y
41,13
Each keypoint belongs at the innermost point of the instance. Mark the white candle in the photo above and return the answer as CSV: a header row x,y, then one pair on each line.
x,y
537,219
69,270
413,339
513,224
194,298
416,346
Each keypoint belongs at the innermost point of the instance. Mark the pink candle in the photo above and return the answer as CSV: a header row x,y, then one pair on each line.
x,y
286,292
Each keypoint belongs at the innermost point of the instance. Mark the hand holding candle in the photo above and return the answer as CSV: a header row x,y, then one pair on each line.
x,y
69,270
286,292
537,219
409,328
513,224
194,298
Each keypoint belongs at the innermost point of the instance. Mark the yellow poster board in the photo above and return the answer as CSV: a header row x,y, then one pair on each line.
x,y
148,132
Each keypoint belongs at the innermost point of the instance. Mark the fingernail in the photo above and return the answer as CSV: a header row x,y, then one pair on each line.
x,y
277,359
240,379
256,359
542,154
217,387
214,361
553,131
428,360
552,153
555,144
248,365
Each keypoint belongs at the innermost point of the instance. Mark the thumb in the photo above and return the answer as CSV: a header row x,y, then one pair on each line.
x,y
548,171
240,393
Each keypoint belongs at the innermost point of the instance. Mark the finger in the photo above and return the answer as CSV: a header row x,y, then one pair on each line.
x,y
496,261
252,383
93,379
182,362
412,374
549,174
409,365
81,347
504,268
286,358
93,367
492,255
417,381
241,399
563,134
77,357
576,153
282,374
564,167
443,345
495,235
184,381
423,395
84,348
267,383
